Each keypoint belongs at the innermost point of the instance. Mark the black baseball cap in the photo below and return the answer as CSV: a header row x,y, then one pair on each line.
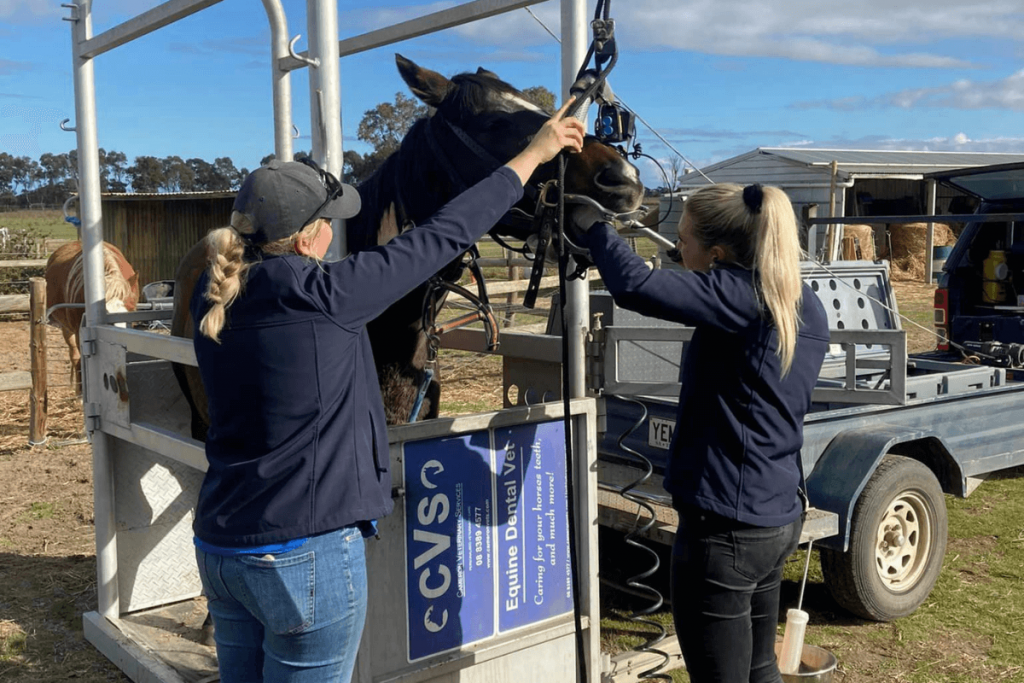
x,y
281,198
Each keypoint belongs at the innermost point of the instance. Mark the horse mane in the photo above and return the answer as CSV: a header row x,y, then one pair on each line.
x,y
392,182
115,285
391,185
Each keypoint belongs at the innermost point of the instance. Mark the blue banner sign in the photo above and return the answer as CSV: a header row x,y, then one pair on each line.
x,y
534,582
487,546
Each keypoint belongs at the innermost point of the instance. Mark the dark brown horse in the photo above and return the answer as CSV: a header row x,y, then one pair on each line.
x,y
479,122
65,284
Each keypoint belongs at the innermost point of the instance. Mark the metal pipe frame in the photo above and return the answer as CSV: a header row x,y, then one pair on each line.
x,y
951,218
281,79
929,237
414,28
575,41
143,24
325,102
326,118
108,600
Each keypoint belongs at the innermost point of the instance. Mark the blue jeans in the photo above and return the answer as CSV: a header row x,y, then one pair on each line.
x,y
297,616
726,578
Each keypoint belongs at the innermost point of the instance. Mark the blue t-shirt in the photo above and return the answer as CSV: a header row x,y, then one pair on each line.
x,y
739,428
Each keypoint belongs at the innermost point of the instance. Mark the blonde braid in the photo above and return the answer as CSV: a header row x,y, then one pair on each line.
x,y
226,265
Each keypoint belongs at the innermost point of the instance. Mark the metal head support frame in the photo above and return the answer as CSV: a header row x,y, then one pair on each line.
x,y
105,346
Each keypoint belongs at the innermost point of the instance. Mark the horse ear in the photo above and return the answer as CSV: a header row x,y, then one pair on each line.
x,y
484,72
429,86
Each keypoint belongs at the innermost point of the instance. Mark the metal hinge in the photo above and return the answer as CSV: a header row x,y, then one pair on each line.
x,y
92,416
87,338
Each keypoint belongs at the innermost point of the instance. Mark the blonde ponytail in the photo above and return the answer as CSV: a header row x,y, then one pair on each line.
x,y
778,268
226,264
765,241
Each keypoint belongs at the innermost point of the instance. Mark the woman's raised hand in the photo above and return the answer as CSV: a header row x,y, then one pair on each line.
x,y
558,133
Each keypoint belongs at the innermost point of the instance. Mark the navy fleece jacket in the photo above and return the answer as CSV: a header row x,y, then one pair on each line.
x,y
739,428
298,443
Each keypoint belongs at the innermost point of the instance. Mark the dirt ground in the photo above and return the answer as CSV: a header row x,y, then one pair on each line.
x,y
47,554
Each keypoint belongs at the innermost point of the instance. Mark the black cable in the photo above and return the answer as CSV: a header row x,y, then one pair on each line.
x,y
664,176
570,479
634,582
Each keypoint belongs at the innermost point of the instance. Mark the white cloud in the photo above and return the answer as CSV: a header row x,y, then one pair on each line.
x,y
957,142
1004,93
511,30
872,33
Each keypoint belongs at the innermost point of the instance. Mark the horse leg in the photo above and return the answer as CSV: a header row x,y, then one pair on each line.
x,y
199,425
75,356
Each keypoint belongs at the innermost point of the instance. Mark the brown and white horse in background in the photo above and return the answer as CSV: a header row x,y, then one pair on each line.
x,y
65,284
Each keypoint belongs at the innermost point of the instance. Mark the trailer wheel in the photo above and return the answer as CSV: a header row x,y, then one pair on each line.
x,y
897,542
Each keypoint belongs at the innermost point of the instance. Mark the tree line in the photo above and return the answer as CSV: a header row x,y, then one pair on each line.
x,y
52,178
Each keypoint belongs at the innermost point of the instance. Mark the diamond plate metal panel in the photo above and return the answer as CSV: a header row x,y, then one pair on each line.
x,y
154,499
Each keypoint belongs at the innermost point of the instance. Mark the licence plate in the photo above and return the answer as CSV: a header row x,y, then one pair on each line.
x,y
659,434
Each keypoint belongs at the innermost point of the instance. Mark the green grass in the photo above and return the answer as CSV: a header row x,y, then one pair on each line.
x,y
38,511
12,644
968,630
43,223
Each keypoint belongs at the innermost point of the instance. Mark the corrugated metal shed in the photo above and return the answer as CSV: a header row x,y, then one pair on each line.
x,y
795,165
868,182
154,231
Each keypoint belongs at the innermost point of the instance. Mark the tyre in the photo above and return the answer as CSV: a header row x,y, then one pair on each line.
x,y
897,542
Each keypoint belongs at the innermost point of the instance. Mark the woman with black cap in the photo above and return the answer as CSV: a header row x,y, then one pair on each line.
x,y
297,445
734,470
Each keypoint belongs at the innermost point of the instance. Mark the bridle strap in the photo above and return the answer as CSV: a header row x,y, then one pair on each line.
x,y
438,123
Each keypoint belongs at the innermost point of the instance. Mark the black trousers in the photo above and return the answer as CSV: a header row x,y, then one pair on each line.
x,y
726,578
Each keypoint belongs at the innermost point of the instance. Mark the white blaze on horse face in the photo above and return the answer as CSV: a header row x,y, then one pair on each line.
x,y
523,103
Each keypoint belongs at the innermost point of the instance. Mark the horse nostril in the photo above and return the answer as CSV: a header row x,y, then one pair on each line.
x,y
613,176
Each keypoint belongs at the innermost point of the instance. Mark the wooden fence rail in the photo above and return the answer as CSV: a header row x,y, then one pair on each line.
x,y
37,347
14,303
23,263
35,380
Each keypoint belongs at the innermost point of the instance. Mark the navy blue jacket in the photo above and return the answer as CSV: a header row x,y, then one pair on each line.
x,y
739,430
298,443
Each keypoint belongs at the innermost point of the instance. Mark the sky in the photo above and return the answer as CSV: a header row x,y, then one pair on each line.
x,y
716,78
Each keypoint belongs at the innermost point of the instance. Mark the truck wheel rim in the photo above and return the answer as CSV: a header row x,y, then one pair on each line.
x,y
903,542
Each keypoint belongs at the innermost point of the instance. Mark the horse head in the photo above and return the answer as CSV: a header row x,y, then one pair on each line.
x,y
480,122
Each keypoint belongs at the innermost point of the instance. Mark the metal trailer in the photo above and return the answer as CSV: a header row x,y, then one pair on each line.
x,y
887,435
146,473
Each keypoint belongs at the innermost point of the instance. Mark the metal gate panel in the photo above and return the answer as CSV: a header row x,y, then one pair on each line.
x,y
154,499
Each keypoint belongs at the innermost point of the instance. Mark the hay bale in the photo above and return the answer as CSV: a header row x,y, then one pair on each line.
x,y
865,236
908,242
907,268
908,239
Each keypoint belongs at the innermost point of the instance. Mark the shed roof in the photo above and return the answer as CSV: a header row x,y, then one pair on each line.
x,y
205,195
853,163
